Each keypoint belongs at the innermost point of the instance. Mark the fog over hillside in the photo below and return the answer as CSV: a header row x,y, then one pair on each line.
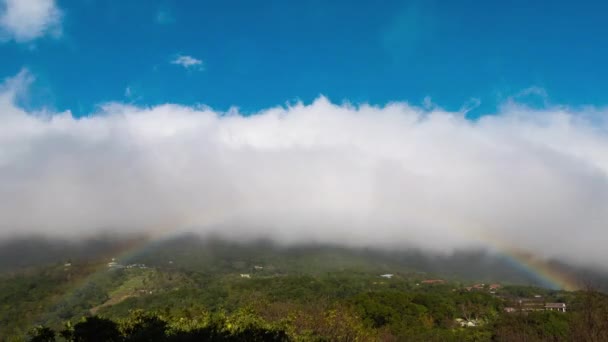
x,y
192,253
393,176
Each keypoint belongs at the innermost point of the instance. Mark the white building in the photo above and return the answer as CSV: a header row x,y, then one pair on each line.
x,y
561,307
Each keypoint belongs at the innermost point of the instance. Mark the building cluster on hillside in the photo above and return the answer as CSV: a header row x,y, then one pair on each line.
x,y
115,265
535,304
492,288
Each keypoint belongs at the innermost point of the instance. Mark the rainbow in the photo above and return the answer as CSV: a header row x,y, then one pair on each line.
x,y
129,250
541,270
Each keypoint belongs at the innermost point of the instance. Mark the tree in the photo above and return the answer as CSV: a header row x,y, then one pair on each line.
x,y
144,327
590,322
93,329
43,334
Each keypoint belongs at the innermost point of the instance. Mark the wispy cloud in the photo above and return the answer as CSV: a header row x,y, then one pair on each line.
x,y
188,62
27,20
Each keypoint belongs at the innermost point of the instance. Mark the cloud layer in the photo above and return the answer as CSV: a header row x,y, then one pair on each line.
x,y
391,176
26,20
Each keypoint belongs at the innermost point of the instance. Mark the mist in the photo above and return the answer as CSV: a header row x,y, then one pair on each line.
x,y
392,176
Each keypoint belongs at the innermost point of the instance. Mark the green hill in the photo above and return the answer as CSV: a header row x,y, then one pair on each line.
x,y
296,293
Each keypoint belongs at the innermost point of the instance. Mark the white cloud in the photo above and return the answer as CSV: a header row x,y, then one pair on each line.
x,y
26,20
188,62
395,175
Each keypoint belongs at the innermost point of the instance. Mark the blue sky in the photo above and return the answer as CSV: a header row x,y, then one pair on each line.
x,y
258,54
102,123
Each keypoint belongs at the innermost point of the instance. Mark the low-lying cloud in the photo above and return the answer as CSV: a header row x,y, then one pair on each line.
x,y
390,176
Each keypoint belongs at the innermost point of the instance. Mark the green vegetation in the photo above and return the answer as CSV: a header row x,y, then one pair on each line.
x,y
239,294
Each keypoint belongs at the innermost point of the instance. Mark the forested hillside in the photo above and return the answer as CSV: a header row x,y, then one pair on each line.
x,y
221,291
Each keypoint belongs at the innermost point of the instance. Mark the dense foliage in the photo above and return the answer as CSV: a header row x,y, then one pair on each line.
x,y
247,296
378,316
